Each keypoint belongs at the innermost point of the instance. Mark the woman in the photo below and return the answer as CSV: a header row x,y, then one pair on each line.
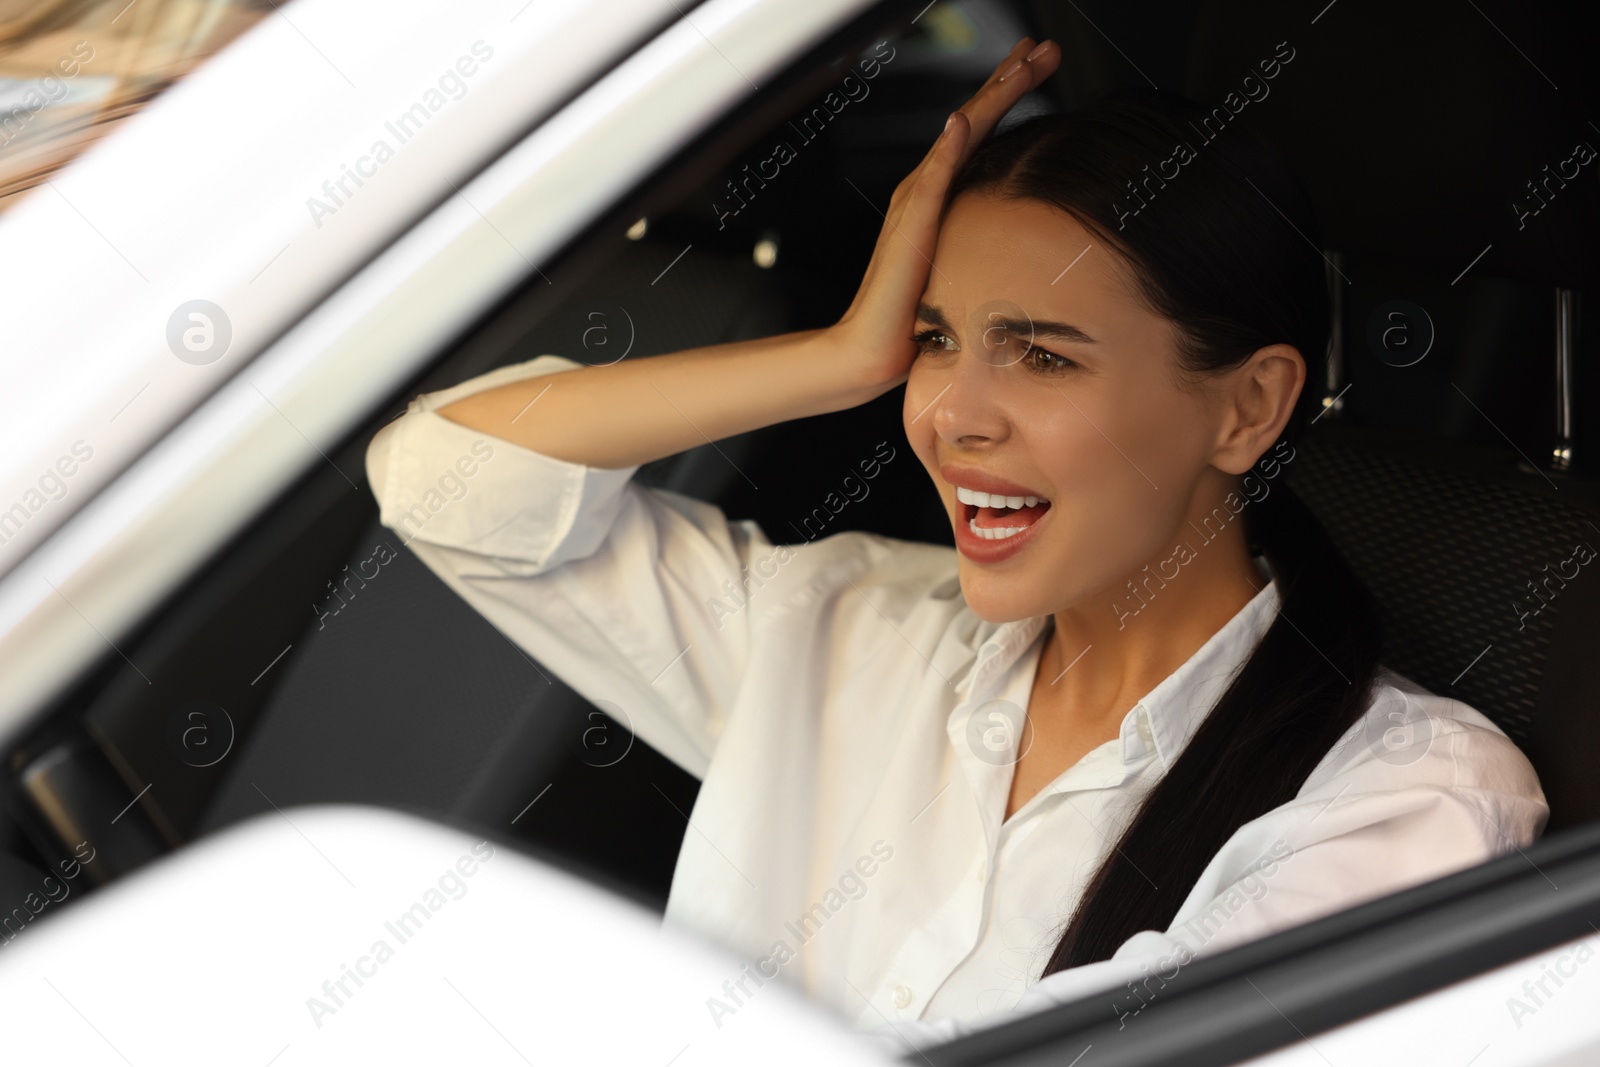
x,y
1101,736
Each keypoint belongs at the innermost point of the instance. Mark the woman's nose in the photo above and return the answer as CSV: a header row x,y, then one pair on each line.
x,y
968,406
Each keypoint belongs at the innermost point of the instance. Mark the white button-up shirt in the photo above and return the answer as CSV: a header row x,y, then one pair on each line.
x,y
854,725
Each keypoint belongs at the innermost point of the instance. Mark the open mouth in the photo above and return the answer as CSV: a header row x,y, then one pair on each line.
x,y
994,517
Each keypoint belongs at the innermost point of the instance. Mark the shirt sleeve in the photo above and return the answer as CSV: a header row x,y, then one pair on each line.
x,y
1422,787
615,586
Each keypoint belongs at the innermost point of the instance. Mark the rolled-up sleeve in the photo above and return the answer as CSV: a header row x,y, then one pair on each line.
x,y
609,583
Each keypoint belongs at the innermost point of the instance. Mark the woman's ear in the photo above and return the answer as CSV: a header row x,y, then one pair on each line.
x,y
1257,400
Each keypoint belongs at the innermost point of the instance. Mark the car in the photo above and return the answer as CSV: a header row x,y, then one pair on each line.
x,y
230,698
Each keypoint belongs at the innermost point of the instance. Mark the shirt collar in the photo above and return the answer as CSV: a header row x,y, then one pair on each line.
x,y
1178,704
1002,643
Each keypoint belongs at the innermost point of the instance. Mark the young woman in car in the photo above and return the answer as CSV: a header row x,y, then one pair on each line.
x,y
1136,715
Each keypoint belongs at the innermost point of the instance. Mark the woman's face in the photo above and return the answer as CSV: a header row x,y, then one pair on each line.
x,y
1092,418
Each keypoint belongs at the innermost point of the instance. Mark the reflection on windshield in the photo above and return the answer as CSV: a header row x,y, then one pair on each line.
x,y
71,69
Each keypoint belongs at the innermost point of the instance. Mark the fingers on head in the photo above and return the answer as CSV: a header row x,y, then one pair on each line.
x,y
1023,46
942,152
1018,50
1026,72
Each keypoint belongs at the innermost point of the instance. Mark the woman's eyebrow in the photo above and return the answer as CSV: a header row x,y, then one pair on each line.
x,y
1024,327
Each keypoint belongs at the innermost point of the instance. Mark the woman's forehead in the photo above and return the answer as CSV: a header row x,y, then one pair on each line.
x,y
1026,251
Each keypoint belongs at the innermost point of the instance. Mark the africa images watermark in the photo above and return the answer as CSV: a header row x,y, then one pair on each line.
x,y
18,111
754,576
1525,209
451,488
1529,606
51,485
403,928
1537,993
382,553
51,891
403,128
854,89
1255,89
1256,489
1203,927
849,886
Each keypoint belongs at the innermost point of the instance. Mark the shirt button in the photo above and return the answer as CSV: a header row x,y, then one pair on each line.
x,y
1144,728
902,996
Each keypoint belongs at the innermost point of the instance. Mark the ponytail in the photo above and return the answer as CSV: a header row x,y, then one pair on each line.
x,y
1304,685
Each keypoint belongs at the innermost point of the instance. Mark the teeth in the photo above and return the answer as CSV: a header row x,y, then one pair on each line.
x,y
995,533
994,500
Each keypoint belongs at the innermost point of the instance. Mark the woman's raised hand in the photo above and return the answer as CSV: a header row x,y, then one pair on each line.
x,y
639,410
874,335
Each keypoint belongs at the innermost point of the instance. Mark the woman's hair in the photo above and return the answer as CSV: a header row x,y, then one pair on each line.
x,y
1223,242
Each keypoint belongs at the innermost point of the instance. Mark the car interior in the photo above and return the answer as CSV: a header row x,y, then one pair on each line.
x,y
1458,483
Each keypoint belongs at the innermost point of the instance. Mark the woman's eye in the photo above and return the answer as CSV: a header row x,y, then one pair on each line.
x,y
1037,359
1046,362
925,340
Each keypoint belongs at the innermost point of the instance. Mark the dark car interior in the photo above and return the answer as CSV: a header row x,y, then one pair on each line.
x,y
1459,483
